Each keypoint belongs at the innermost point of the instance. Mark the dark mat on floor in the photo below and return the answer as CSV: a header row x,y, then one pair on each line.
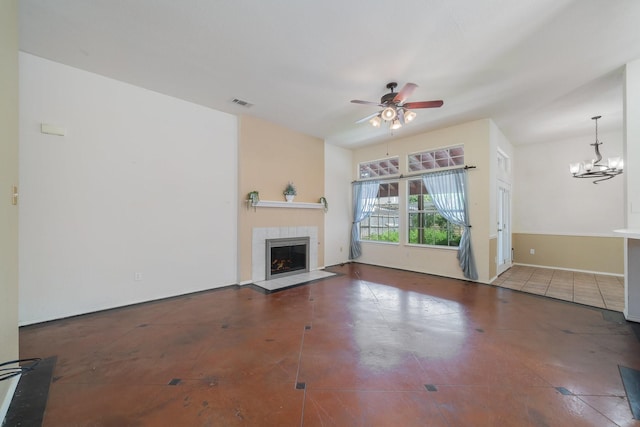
x,y
635,327
631,381
30,399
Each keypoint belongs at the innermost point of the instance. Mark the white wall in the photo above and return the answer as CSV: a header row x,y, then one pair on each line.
x,y
338,175
141,183
631,144
548,200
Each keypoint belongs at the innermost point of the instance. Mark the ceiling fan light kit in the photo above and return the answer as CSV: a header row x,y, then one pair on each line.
x,y
592,168
395,110
389,113
409,116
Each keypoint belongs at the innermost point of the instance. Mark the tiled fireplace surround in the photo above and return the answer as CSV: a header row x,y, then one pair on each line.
x,y
258,246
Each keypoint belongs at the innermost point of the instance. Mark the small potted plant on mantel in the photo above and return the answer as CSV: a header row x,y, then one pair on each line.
x,y
253,198
290,192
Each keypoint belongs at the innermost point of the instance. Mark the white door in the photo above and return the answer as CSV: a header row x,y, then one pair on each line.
x,y
504,227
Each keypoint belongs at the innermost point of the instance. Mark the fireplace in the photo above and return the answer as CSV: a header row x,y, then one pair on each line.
x,y
286,256
259,237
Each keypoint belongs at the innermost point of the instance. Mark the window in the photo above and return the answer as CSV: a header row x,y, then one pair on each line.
x,y
378,168
503,162
435,159
382,224
426,225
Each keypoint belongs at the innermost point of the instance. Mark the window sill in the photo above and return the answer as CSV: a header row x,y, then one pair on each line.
x,y
446,248
380,242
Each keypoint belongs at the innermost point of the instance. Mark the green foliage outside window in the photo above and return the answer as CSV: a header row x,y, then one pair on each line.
x,y
390,236
426,226
382,224
432,236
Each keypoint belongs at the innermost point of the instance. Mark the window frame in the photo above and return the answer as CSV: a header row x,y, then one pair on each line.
x,y
421,211
379,162
457,160
366,223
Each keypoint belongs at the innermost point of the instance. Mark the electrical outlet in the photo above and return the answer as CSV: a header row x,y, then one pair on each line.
x,y
137,277
532,251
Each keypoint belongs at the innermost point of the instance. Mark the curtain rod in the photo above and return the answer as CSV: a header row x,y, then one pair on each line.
x,y
413,175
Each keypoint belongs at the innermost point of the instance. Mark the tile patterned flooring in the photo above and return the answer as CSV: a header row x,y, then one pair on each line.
x,y
369,346
597,290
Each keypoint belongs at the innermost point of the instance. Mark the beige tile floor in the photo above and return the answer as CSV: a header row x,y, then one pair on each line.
x,y
597,290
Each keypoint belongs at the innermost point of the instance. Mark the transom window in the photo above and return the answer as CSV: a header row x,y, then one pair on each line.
x,y
443,158
426,226
503,162
382,224
378,168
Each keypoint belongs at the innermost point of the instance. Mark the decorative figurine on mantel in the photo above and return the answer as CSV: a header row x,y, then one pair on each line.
x,y
290,192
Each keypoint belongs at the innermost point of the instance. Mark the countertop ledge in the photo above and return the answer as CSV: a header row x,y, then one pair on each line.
x,y
631,233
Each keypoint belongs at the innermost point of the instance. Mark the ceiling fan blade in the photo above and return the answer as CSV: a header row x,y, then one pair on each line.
x,y
404,93
357,101
401,115
424,104
369,117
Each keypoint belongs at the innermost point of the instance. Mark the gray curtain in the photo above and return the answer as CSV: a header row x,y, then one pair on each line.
x,y
448,190
364,198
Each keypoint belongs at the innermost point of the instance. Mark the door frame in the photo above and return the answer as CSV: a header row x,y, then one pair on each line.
x,y
504,256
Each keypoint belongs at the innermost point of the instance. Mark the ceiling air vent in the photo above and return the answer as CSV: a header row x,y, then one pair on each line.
x,y
242,103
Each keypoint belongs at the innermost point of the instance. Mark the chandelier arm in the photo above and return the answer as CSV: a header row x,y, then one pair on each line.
x,y
604,174
603,179
598,155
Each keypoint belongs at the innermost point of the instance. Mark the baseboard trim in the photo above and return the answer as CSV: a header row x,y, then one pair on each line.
x,y
631,318
569,269
118,307
4,408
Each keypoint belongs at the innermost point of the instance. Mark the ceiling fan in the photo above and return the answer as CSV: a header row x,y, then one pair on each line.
x,y
395,109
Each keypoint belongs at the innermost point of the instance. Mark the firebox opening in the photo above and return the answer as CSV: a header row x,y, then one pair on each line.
x,y
287,256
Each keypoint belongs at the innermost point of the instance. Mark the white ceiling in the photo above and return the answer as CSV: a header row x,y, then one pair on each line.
x,y
539,68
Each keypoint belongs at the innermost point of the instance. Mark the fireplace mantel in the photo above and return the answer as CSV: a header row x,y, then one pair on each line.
x,y
277,204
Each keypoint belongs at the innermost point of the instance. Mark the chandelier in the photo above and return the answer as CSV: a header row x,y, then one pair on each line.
x,y
593,169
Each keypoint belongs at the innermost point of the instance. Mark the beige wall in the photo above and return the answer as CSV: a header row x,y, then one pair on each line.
x,y
597,254
8,177
269,156
441,261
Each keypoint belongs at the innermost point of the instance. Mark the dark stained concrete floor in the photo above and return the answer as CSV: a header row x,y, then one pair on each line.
x,y
368,347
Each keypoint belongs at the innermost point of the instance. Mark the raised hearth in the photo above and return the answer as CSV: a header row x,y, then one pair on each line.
x,y
286,256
